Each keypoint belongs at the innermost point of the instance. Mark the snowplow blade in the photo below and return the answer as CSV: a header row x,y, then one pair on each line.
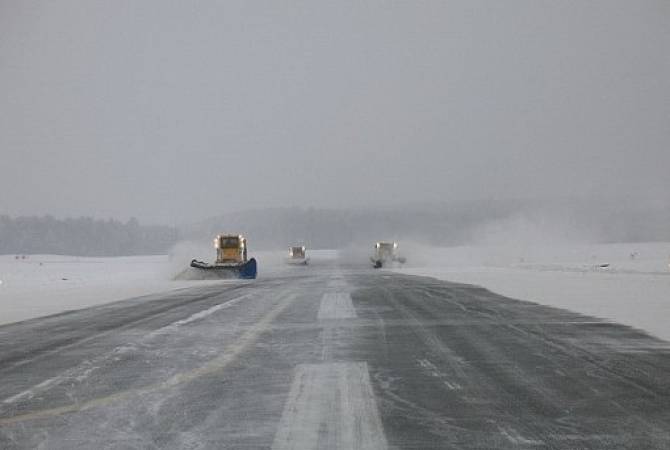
x,y
245,271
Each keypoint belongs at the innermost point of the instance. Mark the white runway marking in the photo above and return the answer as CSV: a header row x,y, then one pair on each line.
x,y
208,312
433,371
516,438
331,406
337,283
336,305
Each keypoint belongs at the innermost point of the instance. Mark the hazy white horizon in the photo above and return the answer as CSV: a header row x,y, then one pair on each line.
x,y
176,112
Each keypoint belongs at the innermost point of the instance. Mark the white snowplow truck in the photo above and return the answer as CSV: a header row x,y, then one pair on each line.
x,y
386,253
297,256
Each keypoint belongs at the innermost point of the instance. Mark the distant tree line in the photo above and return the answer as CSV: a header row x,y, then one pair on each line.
x,y
443,224
83,236
275,228
333,228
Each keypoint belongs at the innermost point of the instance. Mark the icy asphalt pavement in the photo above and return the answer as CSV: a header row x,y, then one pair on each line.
x,y
330,356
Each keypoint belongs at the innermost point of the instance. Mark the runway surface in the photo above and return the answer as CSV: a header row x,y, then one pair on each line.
x,y
331,356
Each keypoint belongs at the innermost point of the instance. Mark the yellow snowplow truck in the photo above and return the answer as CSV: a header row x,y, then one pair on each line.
x,y
386,253
231,258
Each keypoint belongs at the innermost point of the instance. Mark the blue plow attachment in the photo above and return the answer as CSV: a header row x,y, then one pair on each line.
x,y
248,270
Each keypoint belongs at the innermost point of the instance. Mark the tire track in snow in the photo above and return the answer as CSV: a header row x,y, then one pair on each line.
x,y
85,368
229,355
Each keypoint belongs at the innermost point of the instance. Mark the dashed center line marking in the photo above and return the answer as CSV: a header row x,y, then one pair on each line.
x,y
336,305
337,284
331,406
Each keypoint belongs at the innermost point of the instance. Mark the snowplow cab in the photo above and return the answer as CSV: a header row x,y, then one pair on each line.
x,y
231,258
297,256
385,250
385,253
230,248
296,252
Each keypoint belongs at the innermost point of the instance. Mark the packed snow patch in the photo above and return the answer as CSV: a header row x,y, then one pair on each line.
x,y
625,283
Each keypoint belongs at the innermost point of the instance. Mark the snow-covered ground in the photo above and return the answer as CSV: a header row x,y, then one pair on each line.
x,y
48,284
634,289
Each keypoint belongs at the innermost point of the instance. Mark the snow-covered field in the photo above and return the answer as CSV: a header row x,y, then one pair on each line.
x,y
48,284
634,289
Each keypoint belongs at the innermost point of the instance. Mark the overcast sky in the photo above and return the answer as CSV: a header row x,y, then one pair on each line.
x,y
175,111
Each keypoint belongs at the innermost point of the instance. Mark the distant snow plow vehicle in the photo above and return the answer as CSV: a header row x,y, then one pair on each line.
x,y
297,256
386,253
231,258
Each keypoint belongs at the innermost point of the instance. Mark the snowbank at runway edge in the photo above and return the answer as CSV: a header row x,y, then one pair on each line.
x,y
634,289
